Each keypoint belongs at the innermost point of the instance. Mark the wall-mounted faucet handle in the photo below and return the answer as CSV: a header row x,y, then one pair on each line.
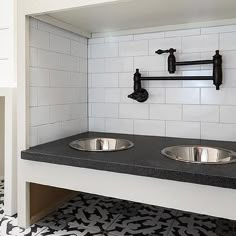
x,y
160,51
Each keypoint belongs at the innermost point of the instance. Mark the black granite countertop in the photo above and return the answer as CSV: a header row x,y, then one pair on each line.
x,y
144,159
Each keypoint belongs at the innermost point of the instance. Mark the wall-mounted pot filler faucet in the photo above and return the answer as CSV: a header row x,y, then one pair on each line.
x,y
141,95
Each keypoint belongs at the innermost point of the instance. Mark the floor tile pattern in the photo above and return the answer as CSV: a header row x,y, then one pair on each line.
x,y
92,215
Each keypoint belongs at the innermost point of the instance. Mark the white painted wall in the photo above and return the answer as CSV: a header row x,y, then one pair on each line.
x,y
58,83
186,109
2,136
7,59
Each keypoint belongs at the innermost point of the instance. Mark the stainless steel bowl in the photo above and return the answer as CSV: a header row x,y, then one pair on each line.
x,y
101,144
200,154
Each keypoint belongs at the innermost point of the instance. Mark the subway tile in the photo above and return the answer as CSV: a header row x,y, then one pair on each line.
x,y
126,80
189,57
79,110
104,50
229,78
134,111
83,125
96,40
39,115
149,127
124,92
124,126
79,80
164,83
79,49
224,96
115,39
218,29
96,95
49,132
33,23
197,83
60,79
96,65
33,136
33,57
112,95
204,113
49,60
227,41
156,95
60,96
70,127
39,39
108,80
182,129
118,64
44,96
183,95
58,31
83,50
59,44
39,77
229,58
80,95
83,39
57,61
75,49
4,43
105,110
165,112
33,96
83,65
69,63
164,43
89,80
227,114
149,63
96,124
181,33
200,43
133,48
155,35
60,113
216,131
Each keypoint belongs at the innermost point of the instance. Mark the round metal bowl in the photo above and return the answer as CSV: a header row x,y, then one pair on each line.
x,y
101,144
200,154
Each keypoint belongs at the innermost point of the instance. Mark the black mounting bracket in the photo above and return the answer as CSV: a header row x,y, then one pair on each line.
x,y
141,95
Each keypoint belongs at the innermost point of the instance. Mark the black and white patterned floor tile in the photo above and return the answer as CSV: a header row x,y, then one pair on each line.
x,y
1,198
145,220
187,224
92,215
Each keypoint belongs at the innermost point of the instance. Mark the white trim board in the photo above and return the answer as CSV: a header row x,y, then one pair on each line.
x,y
197,198
53,21
166,28
63,25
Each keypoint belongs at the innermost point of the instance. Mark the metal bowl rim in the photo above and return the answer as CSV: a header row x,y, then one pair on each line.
x,y
131,144
198,162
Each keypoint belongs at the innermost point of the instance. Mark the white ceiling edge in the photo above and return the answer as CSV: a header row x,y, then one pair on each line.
x,y
166,28
63,25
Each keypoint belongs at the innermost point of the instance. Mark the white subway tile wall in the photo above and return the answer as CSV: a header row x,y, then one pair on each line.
x,y
58,83
186,109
